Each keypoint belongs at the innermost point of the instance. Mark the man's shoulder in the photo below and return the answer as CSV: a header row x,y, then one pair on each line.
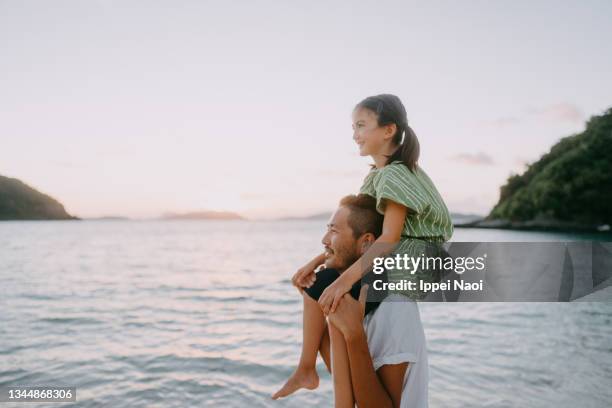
x,y
396,314
396,303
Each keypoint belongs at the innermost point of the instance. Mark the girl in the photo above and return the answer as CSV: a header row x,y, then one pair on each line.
x,y
415,216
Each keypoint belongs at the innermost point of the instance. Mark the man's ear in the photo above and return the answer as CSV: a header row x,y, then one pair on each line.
x,y
366,241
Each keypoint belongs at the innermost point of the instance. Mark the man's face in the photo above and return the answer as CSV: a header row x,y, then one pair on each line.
x,y
341,248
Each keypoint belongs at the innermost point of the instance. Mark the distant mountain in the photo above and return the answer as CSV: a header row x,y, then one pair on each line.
x,y
109,218
203,215
459,218
18,201
318,216
570,187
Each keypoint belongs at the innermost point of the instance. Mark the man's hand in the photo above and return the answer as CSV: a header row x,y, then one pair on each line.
x,y
348,317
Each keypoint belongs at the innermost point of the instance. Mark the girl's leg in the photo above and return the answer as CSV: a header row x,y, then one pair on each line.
x,y
341,370
325,350
305,375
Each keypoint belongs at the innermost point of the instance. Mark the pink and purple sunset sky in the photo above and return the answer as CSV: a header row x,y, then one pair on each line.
x,y
137,108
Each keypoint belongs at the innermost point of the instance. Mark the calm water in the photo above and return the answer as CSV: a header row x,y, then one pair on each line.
x,y
162,314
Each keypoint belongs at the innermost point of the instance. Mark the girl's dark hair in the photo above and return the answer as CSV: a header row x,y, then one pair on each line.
x,y
390,110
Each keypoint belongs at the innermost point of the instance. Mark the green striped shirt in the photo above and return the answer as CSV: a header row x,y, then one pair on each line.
x,y
427,218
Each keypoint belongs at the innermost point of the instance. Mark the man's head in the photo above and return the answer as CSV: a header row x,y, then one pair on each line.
x,y
351,230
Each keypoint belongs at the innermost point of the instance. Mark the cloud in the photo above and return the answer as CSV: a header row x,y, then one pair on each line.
x,y
475,159
565,112
559,112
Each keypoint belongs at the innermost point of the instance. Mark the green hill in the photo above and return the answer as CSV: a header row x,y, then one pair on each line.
x,y
570,185
18,201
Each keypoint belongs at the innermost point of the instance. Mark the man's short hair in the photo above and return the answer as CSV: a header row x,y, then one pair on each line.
x,y
363,217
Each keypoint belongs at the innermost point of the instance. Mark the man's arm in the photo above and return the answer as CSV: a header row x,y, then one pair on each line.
x,y
392,378
367,386
368,389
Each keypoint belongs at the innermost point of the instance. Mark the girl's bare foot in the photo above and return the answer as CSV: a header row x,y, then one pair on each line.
x,y
301,378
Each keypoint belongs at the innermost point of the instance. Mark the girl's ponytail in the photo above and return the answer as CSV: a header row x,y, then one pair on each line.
x,y
409,148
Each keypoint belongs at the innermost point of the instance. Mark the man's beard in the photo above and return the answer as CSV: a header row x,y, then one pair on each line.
x,y
343,258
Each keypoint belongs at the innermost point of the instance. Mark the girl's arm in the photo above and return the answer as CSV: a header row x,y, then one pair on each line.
x,y
393,225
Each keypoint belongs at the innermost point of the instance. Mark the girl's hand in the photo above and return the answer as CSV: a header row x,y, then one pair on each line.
x,y
304,277
332,295
349,316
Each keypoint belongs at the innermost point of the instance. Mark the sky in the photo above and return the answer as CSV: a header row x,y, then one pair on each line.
x,y
137,108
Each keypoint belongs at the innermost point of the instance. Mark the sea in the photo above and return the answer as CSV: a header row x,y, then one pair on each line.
x,y
202,314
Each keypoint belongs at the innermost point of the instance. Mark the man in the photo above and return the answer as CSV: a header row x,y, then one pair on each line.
x,y
379,361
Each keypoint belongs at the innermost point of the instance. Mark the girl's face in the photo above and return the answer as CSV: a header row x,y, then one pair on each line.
x,y
371,138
